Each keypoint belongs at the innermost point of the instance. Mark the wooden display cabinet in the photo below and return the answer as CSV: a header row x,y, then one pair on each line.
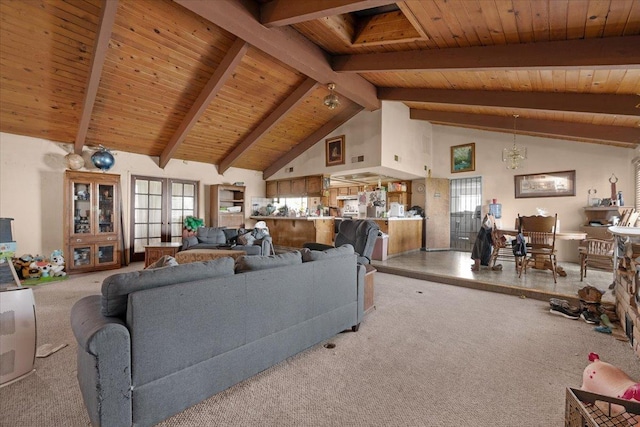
x,y
222,198
91,221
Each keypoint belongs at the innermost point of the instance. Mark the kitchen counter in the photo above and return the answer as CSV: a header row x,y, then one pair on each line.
x,y
405,234
294,232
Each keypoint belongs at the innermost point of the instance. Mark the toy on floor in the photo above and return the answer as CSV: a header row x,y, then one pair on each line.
x,y
57,262
603,378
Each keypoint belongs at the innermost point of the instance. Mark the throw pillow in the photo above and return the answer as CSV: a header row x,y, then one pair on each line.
x,y
257,262
164,261
246,239
342,251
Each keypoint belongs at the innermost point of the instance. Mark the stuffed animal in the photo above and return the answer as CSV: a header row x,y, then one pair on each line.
x,y
603,378
57,262
45,268
34,271
22,266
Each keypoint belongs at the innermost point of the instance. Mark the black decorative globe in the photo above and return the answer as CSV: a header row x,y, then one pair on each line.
x,y
103,159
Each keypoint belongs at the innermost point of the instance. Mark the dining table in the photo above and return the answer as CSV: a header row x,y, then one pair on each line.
x,y
505,235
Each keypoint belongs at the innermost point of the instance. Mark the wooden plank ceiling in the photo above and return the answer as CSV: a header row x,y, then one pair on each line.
x,y
241,82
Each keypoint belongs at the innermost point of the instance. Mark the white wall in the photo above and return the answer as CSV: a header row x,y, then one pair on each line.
x,y
362,138
31,187
408,139
594,164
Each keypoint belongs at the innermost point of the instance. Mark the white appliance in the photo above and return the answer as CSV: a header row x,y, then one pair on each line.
x,y
17,334
396,209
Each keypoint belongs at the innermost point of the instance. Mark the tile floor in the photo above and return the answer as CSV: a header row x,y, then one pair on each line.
x,y
454,267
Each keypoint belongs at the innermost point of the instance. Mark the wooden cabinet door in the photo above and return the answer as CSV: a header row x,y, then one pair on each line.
x,y
272,189
314,185
333,197
343,191
354,190
299,187
284,187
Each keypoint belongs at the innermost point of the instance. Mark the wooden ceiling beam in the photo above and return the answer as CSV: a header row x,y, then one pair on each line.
x,y
103,35
611,53
620,136
277,13
226,68
240,17
335,122
620,105
298,95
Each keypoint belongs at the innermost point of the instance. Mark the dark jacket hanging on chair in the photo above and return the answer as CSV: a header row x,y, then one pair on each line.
x,y
483,245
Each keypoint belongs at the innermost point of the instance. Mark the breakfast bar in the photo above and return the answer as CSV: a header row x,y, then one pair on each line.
x,y
293,232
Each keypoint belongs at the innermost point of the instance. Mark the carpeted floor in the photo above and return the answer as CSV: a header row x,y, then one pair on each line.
x,y
429,355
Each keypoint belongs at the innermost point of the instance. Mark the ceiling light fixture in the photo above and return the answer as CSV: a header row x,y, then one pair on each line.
x,y
515,155
331,100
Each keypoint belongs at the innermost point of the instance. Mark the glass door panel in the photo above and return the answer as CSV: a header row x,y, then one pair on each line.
x,y
105,208
82,256
106,254
81,208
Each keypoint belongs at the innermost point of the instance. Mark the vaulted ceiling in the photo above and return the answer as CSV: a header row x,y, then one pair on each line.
x,y
241,82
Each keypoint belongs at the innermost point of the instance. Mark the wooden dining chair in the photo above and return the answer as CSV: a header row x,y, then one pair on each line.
x,y
540,232
596,253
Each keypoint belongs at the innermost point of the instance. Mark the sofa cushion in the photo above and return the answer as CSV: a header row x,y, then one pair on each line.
x,y
117,287
211,235
189,241
344,250
254,263
164,261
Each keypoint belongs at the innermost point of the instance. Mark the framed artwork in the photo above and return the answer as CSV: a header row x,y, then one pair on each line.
x,y
463,158
549,184
335,150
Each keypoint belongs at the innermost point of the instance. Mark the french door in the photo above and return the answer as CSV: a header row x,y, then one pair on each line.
x,y
159,208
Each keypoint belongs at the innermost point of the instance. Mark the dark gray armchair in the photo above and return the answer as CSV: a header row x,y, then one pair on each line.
x,y
360,233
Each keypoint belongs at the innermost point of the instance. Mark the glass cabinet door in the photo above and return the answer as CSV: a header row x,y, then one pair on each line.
x,y
82,256
82,208
106,254
105,208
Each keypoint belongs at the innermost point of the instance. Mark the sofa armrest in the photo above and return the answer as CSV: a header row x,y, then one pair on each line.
x,y
104,363
267,245
188,242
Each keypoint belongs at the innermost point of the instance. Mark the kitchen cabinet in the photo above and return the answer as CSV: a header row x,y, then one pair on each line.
x,y
91,215
272,189
227,206
296,187
343,191
333,197
299,186
314,185
354,190
284,188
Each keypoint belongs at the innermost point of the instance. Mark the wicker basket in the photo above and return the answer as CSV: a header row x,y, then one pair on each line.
x,y
581,410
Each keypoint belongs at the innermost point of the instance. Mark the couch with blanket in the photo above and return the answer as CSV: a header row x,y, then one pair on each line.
x,y
252,241
158,341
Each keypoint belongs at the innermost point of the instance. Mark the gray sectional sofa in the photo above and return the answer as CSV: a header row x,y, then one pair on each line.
x,y
255,242
156,342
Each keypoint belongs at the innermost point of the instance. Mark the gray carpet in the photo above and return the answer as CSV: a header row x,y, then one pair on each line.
x,y
429,355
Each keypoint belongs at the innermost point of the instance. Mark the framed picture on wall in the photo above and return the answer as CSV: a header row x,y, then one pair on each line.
x,y
463,158
335,150
548,184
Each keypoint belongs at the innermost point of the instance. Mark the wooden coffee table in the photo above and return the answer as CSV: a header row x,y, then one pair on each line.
x,y
155,251
198,255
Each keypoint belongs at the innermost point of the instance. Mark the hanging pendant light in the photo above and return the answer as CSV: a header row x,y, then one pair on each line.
x,y
331,100
514,156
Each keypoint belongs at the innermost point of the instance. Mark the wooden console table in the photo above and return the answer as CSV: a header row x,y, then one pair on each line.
x,y
368,288
155,251
198,255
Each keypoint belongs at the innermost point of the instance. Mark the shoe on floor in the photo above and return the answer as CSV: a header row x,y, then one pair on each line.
x,y
590,317
602,329
564,311
604,319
